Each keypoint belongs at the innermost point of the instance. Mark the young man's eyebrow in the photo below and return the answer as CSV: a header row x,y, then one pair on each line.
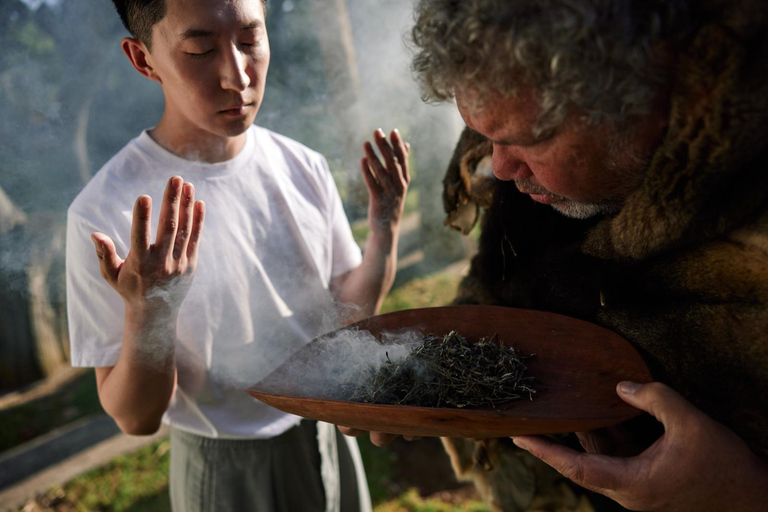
x,y
252,25
198,32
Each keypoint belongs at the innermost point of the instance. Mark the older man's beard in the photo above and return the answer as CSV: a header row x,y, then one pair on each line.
x,y
568,207
577,210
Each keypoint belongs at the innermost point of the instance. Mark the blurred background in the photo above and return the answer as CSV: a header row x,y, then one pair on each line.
x,y
69,100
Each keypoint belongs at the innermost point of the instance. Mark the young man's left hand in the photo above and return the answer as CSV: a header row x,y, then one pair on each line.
x,y
387,182
697,465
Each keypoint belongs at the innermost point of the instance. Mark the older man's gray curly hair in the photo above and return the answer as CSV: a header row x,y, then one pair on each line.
x,y
600,56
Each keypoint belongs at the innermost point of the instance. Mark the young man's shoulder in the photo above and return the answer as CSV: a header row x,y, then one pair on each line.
x,y
101,188
289,147
122,178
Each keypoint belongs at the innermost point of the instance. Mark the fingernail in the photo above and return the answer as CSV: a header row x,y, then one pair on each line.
x,y
95,241
380,132
629,388
520,443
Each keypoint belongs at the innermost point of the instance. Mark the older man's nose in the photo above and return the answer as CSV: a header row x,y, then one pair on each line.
x,y
507,166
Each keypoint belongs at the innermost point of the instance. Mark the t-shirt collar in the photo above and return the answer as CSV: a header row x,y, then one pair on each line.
x,y
198,168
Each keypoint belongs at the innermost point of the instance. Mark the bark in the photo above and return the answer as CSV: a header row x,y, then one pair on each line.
x,y
45,313
80,144
33,334
10,214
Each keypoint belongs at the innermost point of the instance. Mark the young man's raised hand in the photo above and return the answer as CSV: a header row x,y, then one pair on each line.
x,y
153,280
156,275
387,183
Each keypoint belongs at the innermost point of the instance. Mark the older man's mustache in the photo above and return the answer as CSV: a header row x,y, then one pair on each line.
x,y
529,186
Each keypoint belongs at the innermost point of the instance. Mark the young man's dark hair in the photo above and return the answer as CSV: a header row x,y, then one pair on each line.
x,y
139,16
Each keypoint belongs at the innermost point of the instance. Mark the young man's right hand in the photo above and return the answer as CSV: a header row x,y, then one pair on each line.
x,y
156,277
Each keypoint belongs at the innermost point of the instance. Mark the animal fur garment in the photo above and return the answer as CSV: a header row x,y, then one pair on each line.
x,y
682,270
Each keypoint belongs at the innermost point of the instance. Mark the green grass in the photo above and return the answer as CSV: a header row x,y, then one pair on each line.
x,y
135,482
410,501
24,422
138,482
431,291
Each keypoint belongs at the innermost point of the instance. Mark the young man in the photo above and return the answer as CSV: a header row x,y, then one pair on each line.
x,y
276,259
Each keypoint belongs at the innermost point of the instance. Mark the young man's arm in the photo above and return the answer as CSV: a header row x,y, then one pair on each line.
x,y
136,391
368,284
153,281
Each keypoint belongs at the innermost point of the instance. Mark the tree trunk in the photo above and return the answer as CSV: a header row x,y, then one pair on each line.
x,y
33,339
80,144
45,280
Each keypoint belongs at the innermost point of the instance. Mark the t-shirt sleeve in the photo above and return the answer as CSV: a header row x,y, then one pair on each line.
x,y
95,311
345,253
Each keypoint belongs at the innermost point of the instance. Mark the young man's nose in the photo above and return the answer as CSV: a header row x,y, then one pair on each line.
x,y
234,72
507,166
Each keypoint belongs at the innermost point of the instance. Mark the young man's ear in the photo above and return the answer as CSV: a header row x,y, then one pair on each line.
x,y
137,53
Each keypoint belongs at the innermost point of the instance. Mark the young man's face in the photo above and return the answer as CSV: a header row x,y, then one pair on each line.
x,y
580,171
211,57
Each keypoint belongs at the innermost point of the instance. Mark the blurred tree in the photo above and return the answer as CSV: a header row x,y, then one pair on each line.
x,y
50,69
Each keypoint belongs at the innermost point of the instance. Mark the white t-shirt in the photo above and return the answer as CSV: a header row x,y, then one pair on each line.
x,y
275,235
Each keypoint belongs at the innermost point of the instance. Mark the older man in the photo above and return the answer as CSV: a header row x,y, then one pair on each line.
x,y
630,139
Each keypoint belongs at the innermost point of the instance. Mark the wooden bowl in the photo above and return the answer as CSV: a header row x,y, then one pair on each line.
x,y
577,367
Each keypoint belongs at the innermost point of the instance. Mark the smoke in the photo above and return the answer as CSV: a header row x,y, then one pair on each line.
x,y
338,361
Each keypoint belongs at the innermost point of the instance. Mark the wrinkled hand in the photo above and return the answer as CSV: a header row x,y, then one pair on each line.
x,y
388,183
156,275
697,465
377,438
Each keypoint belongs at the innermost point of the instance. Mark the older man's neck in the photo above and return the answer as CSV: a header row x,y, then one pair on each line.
x,y
195,144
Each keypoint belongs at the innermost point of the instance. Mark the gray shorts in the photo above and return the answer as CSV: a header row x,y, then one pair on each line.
x,y
281,474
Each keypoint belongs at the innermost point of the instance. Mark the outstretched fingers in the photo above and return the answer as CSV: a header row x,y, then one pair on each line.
x,y
109,261
141,231
169,218
196,232
401,149
186,215
370,180
387,153
380,173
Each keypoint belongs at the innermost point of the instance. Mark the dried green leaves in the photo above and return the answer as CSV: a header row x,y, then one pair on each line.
x,y
448,372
